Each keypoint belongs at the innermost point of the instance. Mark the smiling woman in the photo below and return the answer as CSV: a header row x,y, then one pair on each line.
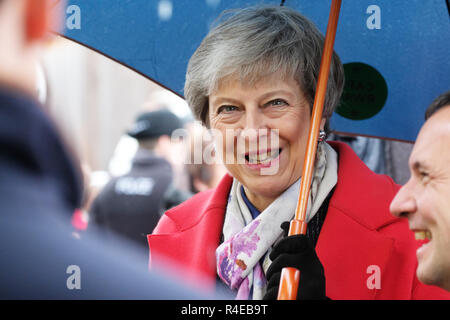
x,y
252,81
283,44
252,112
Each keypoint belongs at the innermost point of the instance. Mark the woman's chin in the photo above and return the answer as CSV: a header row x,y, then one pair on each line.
x,y
265,181
265,188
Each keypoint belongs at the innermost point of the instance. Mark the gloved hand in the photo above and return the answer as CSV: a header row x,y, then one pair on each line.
x,y
296,252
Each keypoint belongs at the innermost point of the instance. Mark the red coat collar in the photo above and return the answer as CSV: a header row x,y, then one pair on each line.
x,y
187,236
357,182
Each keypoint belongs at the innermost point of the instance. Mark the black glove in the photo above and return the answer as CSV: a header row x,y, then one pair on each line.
x,y
296,252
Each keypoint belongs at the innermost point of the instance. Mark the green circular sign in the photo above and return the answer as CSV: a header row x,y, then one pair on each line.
x,y
365,92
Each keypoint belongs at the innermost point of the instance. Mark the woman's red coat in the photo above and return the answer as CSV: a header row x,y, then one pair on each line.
x,y
359,241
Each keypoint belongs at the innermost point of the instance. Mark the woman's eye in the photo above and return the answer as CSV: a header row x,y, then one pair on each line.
x,y
226,109
277,102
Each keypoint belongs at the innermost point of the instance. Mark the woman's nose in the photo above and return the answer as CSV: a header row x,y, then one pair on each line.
x,y
404,202
254,119
255,126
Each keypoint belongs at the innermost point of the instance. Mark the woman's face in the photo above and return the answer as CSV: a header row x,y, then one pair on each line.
x,y
263,130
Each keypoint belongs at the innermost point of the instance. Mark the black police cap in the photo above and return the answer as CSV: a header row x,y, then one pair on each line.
x,y
155,124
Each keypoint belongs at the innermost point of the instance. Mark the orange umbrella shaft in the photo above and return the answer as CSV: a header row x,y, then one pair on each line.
x,y
288,289
316,117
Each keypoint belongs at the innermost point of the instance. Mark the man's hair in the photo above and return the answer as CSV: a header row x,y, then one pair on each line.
x,y
442,101
2,2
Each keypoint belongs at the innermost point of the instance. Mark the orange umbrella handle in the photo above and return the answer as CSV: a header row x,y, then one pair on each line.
x,y
290,276
288,291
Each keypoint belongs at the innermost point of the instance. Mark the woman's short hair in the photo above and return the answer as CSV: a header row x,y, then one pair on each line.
x,y
255,42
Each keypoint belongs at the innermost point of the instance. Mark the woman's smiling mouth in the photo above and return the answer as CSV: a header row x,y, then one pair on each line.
x,y
262,158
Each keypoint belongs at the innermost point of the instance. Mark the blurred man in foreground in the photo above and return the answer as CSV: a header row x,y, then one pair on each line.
x,y
40,188
425,198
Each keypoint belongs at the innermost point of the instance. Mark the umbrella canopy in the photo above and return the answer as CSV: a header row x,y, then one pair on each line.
x,y
395,53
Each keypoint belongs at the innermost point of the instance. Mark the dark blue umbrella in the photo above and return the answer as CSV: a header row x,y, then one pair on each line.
x,y
395,53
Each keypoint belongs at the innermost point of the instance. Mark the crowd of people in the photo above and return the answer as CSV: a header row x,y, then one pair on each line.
x,y
225,235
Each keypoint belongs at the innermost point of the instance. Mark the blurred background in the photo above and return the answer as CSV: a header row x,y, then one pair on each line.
x,y
95,101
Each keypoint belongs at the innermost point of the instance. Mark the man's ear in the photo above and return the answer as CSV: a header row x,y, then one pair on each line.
x,y
37,19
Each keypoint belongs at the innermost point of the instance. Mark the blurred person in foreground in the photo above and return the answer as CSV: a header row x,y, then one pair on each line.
x,y
40,187
131,205
252,79
425,199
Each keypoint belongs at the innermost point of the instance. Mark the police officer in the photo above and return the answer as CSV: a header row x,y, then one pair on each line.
x,y
131,205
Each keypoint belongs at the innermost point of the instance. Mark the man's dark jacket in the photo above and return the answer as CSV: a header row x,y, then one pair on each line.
x,y
39,191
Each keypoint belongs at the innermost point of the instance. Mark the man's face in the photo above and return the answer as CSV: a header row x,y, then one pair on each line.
x,y
425,199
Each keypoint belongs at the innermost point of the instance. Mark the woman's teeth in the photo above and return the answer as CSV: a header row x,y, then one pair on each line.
x,y
264,157
422,235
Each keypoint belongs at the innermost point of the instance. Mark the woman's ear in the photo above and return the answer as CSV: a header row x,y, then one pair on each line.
x,y
37,19
322,123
